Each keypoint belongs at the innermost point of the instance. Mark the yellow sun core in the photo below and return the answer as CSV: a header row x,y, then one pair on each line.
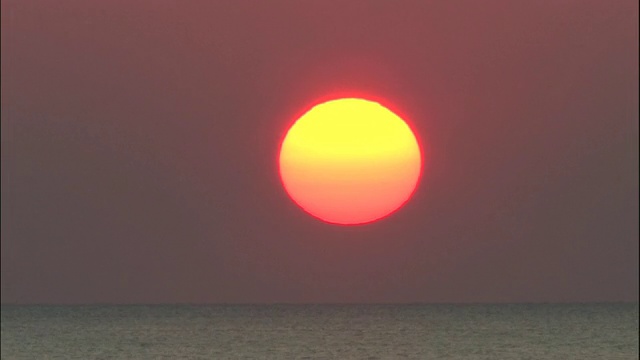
x,y
350,161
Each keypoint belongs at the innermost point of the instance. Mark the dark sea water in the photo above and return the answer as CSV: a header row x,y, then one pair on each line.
x,y
567,331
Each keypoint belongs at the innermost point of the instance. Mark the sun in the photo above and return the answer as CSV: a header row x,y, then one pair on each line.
x,y
350,161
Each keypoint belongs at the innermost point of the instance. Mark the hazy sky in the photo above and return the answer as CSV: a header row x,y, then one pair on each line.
x,y
140,143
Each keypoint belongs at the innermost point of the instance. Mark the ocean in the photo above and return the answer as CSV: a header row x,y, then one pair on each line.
x,y
514,331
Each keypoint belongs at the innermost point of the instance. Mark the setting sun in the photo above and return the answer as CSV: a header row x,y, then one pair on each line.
x,y
350,161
